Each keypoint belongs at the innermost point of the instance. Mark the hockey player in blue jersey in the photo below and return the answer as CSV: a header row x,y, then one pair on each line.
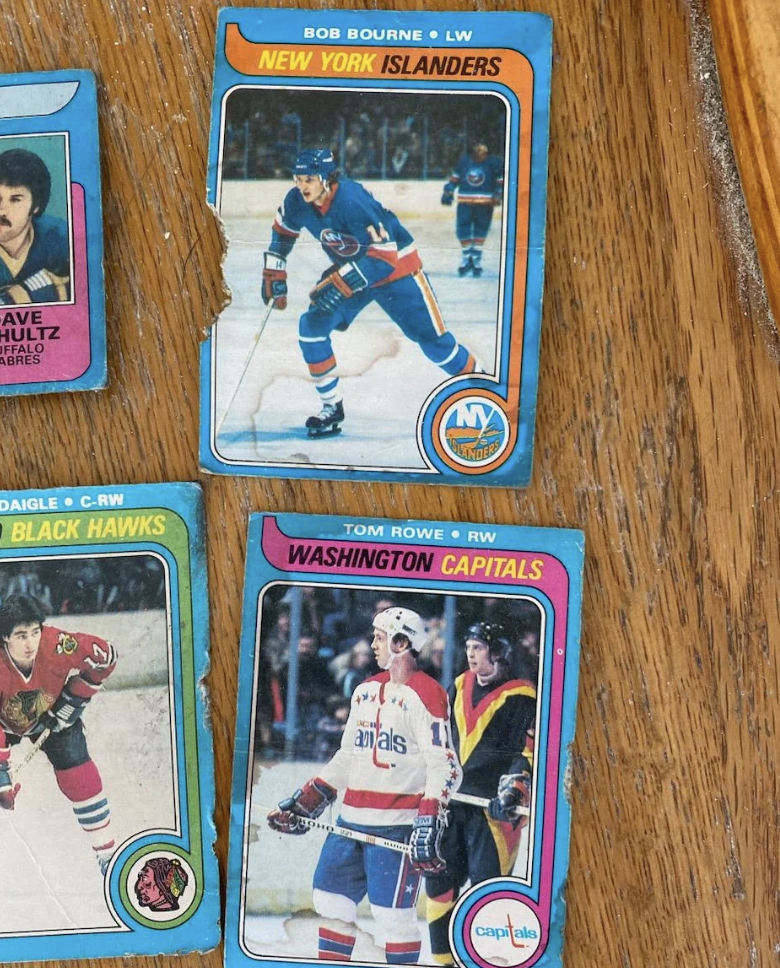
x,y
373,259
34,247
479,181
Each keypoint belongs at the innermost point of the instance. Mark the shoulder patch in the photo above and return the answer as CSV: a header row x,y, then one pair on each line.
x,y
433,696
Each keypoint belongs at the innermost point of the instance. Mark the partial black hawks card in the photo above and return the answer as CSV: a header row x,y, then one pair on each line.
x,y
106,774
381,181
406,703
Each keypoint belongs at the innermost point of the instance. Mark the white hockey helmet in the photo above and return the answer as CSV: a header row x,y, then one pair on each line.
x,y
402,621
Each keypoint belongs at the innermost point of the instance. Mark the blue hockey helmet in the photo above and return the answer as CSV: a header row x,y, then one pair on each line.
x,y
315,161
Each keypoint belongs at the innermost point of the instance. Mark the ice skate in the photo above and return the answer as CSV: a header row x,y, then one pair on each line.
x,y
327,423
476,271
463,269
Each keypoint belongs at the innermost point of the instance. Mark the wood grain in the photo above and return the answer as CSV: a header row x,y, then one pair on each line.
x,y
747,45
657,434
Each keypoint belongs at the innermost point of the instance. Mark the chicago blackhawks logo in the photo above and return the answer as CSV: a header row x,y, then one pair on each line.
x,y
25,708
161,888
66,644
475,177
342,246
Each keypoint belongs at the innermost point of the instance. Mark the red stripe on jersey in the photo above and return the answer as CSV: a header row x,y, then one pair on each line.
x,y
283,230
372,800
387,254
407,266
402,947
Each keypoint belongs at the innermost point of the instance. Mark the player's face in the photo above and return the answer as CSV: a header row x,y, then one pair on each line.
x,y
479,153
478,656
381,648
313,188
16,212
146,889
23,643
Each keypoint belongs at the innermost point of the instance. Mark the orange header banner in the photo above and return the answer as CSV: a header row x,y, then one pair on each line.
x,y
393,63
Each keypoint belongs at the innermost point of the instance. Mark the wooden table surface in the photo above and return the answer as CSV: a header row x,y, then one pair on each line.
x,y
658,432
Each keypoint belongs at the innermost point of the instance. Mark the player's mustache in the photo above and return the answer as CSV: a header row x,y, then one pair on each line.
x,y
4,220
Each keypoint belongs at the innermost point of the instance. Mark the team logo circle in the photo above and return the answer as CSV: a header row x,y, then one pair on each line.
x,y
343,246
474,430
475,177
503,931
161,886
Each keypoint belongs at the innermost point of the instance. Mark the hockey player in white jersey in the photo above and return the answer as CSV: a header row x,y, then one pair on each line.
x,y
398,769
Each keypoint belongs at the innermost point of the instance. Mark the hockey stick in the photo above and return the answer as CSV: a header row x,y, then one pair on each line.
x,y
485,803
255,342
355,835
30,753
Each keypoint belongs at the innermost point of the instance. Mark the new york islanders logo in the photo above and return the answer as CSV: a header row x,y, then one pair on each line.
x,y
474,431
342,246
475,177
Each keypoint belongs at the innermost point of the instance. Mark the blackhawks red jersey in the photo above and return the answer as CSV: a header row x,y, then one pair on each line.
x,y
63,657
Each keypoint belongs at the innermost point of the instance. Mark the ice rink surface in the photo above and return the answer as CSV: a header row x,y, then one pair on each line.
x,y
279,917
51,880
385,377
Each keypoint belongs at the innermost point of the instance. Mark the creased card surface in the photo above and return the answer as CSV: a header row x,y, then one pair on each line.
x,y
52,302
381,179
106,769
407,698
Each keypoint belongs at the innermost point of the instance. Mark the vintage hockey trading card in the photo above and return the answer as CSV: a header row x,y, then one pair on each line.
x,y
52,302
381,180
106,767
406,702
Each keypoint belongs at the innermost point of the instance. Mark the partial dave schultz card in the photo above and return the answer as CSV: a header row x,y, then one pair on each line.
x,y
406,701
106,771
52,303
381,179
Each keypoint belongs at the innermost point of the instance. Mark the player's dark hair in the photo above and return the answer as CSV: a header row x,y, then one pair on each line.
x,y
20,610
20,167
334,177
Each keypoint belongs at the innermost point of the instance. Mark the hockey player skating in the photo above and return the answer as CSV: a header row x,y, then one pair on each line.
x,y
374,259
47,677
398,772
492,716
479,180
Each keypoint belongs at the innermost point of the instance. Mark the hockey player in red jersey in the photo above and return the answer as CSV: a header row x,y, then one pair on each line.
x,y
493,718
47,677
398,772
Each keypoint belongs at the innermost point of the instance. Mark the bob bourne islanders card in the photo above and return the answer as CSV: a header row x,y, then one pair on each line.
x,y
52,303
381,178
106,772
406,698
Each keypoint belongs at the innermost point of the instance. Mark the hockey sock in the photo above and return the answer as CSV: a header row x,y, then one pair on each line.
x,y
402,952
476,254
84,788
335,946
466,253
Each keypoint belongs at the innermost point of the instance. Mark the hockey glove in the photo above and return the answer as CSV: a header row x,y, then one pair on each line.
x,y
337,287
514,793
65,712
425,842
7,789
275,280
447,195
309,802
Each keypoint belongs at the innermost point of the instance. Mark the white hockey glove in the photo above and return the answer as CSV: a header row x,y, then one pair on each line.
x,y
514,792
427,832
310,801
337,287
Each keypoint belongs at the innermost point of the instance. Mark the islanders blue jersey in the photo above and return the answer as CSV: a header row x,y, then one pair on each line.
x,y
48,253
478,182
352,226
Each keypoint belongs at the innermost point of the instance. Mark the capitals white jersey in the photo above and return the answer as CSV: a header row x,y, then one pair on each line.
x,y
395,751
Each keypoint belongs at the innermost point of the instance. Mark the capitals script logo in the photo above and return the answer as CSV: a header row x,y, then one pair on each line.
x,y
387,740
475,430
475,177
342,246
